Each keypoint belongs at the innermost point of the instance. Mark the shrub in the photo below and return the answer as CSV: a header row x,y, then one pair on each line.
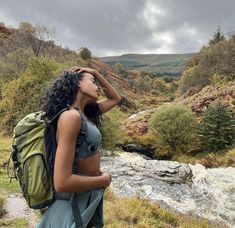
x,y
160,85
174,127
22,95
111,128
14,64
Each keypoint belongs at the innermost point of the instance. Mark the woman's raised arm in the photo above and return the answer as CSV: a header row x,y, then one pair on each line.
x,y
112,96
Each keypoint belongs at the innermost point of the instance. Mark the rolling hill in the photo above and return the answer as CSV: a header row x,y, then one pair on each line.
x,y
159,64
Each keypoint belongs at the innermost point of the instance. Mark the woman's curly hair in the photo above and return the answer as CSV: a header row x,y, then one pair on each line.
x,y
62,93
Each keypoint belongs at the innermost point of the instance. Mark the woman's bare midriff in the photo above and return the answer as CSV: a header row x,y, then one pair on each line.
x,y
89,166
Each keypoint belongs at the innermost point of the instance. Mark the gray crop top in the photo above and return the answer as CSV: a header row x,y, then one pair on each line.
x,y
91,142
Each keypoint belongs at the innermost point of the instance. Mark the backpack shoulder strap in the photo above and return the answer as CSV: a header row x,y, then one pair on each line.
x,y
57,115
83,131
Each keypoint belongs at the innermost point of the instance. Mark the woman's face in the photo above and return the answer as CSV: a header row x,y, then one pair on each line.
x,y
89,87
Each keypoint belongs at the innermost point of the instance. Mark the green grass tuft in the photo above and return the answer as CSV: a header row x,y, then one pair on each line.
x,y
13,223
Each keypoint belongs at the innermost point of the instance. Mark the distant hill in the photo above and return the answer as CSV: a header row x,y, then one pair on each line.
x,y
159,64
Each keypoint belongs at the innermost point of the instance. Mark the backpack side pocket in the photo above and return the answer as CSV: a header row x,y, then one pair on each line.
x,y
37,185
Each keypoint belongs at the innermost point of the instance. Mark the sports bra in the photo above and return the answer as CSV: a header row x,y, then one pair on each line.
x,y
91,140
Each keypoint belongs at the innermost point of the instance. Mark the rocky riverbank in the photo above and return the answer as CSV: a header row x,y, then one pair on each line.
x,y
189,189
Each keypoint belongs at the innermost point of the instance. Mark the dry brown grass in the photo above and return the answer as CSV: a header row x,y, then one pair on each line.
x,y
137,212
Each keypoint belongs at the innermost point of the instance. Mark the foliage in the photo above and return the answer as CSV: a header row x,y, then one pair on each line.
x,y
218,127
36,37
167,79
214,63
6,185
174,127
85,53
209,159
160,85
192,77
120,69
5,151
22,95
111,128
10,223
128,212
142,85
2,201
217,37
14,64
36,40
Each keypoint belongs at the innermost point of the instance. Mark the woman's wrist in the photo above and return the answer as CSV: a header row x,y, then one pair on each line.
x,y
96,74
105,179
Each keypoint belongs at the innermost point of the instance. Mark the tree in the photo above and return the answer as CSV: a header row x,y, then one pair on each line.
x,y
14,64
159,84
217,128
217,37
175,129
85,53
36,37
23,94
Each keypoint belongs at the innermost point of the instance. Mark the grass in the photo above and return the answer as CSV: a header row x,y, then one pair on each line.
x,y
5,151
13,223
210,160
2,201
128,212
7,187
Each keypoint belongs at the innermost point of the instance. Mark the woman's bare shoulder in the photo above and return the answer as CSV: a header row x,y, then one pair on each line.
x,y
70,119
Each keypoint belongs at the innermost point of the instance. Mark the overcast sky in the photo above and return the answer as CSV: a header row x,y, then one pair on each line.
x,y
114,27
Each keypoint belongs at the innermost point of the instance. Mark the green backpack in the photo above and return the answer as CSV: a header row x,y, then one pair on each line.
x,y
33,157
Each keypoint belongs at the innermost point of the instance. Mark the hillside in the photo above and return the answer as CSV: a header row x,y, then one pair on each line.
x,y
198,101
113,77
159,64
4,31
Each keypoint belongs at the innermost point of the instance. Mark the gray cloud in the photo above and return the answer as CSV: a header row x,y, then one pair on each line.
x,y
126,26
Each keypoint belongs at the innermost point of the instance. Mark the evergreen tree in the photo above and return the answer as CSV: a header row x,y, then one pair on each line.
x,y
217,37
217,128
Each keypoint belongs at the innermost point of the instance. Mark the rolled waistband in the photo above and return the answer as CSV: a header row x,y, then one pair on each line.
x,y
63,195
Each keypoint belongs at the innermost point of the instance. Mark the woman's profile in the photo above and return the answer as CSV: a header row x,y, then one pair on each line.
x,y
78,180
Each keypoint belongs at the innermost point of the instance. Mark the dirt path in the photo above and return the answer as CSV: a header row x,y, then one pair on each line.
x,y
16,207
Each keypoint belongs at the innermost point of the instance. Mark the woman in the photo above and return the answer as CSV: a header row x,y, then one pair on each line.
x,y
77,168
